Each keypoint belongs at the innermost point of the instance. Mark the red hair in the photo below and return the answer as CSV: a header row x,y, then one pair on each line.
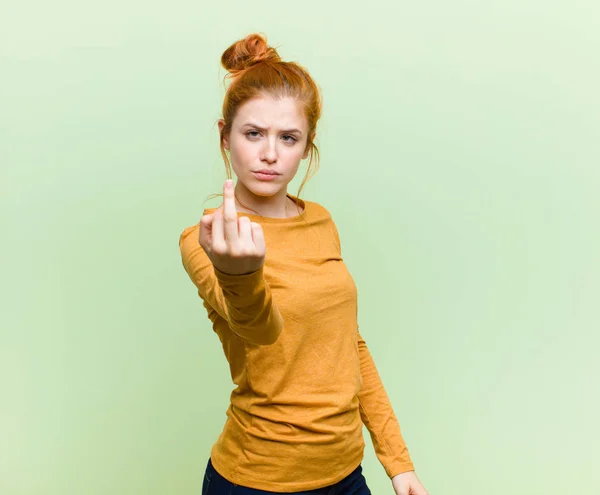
x,y
256,68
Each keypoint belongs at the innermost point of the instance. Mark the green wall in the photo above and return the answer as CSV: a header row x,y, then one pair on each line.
x,y
460,149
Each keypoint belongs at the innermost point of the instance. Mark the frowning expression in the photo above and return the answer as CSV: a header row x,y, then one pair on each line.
x,y
268,134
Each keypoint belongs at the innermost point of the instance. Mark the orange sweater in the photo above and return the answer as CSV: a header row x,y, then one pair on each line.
x,y
306,381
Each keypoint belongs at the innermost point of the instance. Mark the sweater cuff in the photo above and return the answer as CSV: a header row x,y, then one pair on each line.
x,y
399,467
239,280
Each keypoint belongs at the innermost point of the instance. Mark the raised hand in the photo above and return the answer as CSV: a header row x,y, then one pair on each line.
x,y
235,246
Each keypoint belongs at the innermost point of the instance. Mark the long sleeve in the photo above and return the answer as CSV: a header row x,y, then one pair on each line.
x,y
379,418
244,301
376,410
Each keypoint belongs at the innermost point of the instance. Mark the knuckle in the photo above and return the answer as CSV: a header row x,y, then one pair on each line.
x,y
219,249
236,251
243,251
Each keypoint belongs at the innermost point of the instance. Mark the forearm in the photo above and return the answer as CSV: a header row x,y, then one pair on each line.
x,y
378,416
245,302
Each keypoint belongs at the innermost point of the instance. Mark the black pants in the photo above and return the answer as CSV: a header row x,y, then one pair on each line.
x,y
215,484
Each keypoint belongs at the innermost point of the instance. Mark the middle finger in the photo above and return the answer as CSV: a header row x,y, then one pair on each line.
x,y
229,212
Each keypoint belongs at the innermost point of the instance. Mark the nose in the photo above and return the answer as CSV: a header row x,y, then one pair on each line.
x,y
269,151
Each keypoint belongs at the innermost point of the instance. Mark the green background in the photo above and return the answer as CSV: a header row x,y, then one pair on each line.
x,y
460,149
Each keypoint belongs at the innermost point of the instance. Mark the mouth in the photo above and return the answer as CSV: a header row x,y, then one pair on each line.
x,y
266,172
265,175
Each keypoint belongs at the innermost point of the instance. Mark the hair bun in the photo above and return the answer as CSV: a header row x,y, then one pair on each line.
x,y
247,52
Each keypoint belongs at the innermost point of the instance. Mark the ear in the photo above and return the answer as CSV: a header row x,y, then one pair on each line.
x,y
225,139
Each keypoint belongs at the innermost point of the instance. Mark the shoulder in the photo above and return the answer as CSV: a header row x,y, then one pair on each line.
x,y
317,209
325,220
324,217
191,251
189,234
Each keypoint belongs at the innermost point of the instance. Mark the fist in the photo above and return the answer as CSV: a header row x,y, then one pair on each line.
x,y
235,246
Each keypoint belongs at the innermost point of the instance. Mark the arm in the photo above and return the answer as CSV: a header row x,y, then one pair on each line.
x,y
377,414
244,301
379,418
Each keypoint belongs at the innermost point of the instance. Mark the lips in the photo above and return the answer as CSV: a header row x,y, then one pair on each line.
x,y
266,172
269,176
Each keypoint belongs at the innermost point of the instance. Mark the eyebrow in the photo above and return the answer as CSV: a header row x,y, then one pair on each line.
x,y
251,124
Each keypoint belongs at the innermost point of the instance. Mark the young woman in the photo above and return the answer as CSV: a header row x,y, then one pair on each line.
x,y
287,315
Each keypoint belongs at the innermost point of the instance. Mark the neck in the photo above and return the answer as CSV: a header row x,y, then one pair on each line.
x,y
275,206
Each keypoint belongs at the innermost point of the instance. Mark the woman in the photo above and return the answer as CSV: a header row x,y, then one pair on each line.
x,y
306,382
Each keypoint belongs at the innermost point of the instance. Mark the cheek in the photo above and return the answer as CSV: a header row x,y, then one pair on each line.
x,y
242,151
296,154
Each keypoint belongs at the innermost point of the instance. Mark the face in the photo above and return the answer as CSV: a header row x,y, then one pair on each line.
x,y
267,133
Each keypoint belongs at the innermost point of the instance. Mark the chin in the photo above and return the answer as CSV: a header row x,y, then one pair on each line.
x,y
264,188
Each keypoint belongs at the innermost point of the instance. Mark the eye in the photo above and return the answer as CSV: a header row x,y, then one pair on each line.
x,y
286,138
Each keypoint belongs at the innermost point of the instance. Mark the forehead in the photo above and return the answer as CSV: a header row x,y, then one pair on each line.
x,y
268,111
